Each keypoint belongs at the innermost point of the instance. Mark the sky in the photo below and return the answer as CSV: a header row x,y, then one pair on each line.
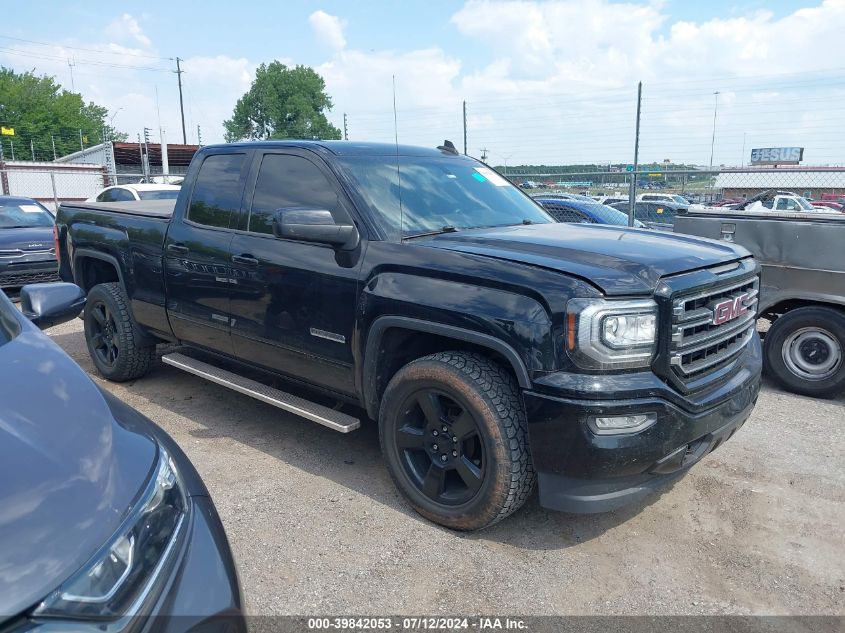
x,y
545,82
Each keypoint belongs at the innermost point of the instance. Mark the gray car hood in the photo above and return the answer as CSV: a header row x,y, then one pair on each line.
x,y
68,471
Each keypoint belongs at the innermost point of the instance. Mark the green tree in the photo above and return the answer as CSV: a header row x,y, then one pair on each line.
x,y
282,103
38,109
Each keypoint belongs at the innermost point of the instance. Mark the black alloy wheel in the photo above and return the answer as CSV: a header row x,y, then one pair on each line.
x,y
440,447
104,341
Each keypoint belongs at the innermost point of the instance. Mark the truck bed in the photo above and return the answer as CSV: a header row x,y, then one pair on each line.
x,y
145,208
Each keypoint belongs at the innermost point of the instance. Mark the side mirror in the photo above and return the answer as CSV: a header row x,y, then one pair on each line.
x,y
314,225
50,304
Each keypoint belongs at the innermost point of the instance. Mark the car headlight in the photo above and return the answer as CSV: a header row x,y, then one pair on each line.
x,y
118,578
608,334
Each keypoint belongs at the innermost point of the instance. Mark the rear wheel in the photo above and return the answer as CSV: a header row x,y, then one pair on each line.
x,y
454,436
113,336
805,351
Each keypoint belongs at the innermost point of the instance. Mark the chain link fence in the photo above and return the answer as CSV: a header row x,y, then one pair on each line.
x,y
52,184
659,195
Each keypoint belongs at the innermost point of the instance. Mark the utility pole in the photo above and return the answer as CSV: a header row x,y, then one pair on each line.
x,y
179,72
71,65
53,142
345,131
199,135
484,155
465,128
32,149
713,138
633,189
12,145
81,146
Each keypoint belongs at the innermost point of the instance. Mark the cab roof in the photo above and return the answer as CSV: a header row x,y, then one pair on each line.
x,y
343,148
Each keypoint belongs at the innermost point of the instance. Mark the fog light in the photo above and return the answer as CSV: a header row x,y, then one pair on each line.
x,y
616,424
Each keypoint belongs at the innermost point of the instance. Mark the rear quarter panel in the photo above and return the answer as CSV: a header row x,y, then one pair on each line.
x,y
131,243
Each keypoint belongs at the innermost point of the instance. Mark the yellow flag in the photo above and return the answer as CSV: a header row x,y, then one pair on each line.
x,y
7,131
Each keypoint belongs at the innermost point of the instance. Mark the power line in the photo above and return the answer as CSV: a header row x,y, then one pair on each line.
x,y
79,48
87,62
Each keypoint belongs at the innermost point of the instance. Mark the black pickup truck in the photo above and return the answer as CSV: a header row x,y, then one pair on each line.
x,y
494,346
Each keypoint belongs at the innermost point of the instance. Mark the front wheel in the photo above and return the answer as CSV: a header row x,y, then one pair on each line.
x,y
805,351
113,336
453,432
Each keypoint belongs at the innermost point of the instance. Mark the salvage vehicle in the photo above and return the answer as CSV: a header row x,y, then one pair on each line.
x,y
565,210
104,523
27,252
802,292
493,345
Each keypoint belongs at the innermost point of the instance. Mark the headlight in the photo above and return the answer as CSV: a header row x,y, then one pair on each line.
x,y
117,579
606,334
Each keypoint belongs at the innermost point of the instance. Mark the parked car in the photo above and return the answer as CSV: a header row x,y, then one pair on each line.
x,y
802,292
671,198
141,191
102,517
27,247
420,288
564,196
772,200
564,210
654,215
828,205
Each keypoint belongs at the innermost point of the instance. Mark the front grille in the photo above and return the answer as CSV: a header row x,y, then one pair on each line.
x,y
709,328
15,280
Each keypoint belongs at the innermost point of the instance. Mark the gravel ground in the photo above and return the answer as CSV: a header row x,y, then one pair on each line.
x,y
317,526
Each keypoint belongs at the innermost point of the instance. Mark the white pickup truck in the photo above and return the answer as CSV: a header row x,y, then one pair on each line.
x,y
780,201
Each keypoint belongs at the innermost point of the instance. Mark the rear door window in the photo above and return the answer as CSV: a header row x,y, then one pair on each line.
x,y
217,191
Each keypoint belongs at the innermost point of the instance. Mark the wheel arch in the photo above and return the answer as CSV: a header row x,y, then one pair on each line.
x,y
93,267
385,352
783,305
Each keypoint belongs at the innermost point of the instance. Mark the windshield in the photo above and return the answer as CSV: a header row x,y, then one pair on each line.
x,y
23,215
438,193
162,194
680,200
805,205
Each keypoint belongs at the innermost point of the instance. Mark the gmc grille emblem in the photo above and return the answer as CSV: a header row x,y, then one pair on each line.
x,y
729,309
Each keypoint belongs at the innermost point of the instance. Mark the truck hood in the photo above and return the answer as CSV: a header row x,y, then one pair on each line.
x,y
69,472
618,260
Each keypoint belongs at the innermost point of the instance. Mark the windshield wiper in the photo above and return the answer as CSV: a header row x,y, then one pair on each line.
x,y
443,229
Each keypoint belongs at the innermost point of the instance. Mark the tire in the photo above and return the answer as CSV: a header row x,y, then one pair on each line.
x,y
469,408
112,335
804,351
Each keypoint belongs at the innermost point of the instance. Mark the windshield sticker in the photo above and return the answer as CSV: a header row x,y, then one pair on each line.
x,y
488,174
479,177
31,208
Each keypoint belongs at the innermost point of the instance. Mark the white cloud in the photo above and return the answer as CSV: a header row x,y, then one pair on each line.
x,y
125,28
328,29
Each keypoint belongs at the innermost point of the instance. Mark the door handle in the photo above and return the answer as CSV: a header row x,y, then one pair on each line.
x,y
177,248
245,260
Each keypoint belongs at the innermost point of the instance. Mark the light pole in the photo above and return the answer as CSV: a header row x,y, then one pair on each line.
x,y
111,119
743,148
713,138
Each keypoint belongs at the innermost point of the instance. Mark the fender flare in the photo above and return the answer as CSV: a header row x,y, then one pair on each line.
x,y
384,323
84,253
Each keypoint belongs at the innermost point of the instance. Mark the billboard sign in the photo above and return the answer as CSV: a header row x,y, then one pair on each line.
x,y
777,155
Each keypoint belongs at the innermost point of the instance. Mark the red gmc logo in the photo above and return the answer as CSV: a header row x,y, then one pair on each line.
x,y
729,309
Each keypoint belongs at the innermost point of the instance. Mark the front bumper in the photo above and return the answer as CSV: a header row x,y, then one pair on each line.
x,y
20,273
581,472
